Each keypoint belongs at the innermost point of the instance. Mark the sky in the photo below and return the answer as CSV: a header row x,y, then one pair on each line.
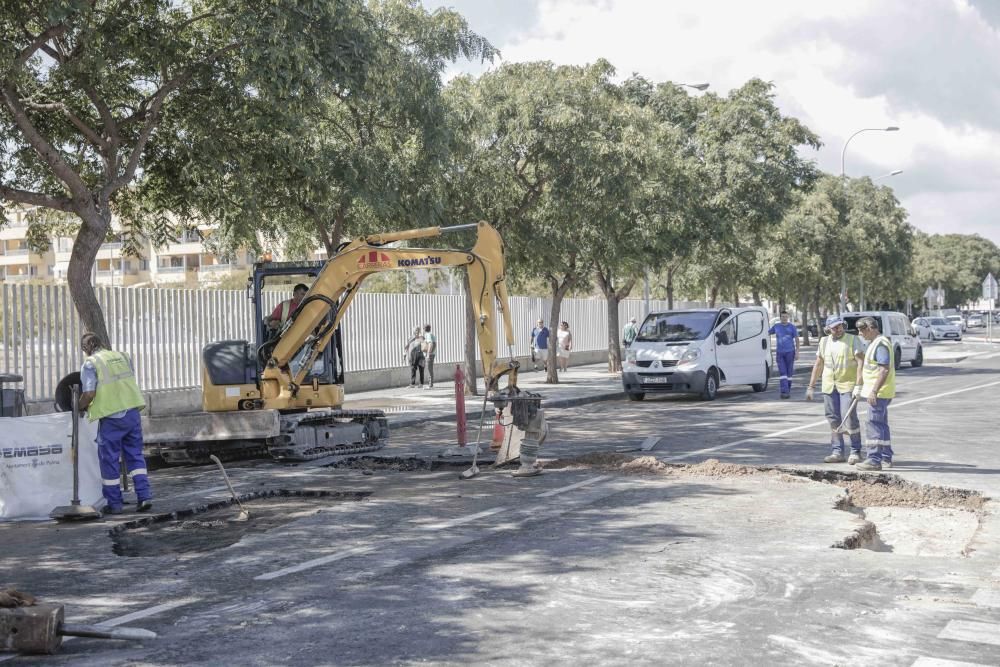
x,y
930,67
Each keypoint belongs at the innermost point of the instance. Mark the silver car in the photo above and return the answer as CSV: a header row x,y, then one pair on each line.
x,y
937,328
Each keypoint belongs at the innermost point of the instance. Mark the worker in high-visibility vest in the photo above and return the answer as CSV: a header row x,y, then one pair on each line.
x,y
879,375
284,310
838,361
111,397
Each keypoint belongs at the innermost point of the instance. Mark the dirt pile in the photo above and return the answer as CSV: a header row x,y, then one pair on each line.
x,y
886,491
650,465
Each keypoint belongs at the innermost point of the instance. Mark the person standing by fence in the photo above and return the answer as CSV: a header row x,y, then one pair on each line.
x,y
565,345
787,351
414,354
429,349
539,345
111,397
630,332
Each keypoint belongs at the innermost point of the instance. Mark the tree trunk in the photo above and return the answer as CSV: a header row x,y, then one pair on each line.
x,y
713,296
470,339
605,280
756,297
81,262
736,298
670,287
804,306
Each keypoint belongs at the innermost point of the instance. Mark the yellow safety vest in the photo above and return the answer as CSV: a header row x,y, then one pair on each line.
x,y
840,367
870,370
116,386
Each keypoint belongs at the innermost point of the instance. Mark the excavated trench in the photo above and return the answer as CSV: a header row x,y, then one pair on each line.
x,y
371,464
215,526
897,515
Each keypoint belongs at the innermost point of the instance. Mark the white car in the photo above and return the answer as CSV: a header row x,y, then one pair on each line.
x,y
894,326
937,328
958,320
975,320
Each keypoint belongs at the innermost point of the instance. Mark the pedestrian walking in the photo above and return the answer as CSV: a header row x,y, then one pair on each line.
x,y
429,349
787,351
111,397
630,331
539,345
414,354
564,341
838,362
284,310
878,373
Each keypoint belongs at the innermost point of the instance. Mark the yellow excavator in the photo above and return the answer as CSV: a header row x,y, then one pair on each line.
x,y
299,371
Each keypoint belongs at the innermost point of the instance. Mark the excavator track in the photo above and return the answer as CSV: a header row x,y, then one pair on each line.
x,y
313,435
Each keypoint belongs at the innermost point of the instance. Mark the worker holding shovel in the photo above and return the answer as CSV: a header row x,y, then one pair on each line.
x,y
838,360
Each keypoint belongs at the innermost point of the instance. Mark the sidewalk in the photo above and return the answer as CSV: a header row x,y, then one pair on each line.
x,y
406,407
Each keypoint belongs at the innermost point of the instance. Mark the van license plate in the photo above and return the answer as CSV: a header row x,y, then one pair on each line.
x,y
656,380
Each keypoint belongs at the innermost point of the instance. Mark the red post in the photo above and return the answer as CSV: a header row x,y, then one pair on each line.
x,y
460,404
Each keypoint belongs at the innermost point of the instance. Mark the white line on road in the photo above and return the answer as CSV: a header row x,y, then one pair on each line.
x,y
586,482
650,443
810,425
987,597
972,631
938,662
316,562
462,520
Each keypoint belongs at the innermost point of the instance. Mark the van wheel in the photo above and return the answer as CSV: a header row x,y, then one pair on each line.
x,y
711,389
636,395
918,360
897,362
762,386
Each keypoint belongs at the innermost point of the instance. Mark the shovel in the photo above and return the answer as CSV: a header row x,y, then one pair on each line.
x,y
244,515
474,469
847,415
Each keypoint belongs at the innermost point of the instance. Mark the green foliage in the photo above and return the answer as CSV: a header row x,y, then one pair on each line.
x,y
956,262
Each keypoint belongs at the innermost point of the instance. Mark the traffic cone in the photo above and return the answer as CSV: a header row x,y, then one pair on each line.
x,y
498,433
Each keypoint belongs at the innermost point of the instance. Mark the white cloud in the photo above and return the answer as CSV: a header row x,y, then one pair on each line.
x,y
932,68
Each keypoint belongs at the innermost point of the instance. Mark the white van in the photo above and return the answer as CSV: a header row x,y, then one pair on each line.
x,y
895,327
698,351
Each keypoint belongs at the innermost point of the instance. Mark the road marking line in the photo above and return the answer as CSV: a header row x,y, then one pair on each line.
x,y
987,597
316,562
804,427
464,519
972,631
938,662
586,482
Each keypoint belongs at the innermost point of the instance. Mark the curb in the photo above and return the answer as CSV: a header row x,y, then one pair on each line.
x,y
470,415
944,360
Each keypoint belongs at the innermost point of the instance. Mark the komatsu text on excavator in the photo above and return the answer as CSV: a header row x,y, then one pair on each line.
x,y
299,370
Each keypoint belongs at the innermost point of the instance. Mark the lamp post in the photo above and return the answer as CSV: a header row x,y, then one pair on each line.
x,y
696,86
890,174
843,182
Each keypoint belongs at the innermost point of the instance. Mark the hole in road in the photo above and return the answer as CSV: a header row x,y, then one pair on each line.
x,y
395,463
214,527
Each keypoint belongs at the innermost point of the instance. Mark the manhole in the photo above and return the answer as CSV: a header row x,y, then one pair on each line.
x,y
213,527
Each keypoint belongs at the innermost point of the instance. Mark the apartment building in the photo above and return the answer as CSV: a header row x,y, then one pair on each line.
x,y
186,263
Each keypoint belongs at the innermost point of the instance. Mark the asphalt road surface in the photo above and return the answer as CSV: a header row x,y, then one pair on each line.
x,y
604,559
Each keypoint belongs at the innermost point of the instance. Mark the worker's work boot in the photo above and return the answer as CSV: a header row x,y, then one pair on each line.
x,y
144,506
868,465
835,457
855,457
886,464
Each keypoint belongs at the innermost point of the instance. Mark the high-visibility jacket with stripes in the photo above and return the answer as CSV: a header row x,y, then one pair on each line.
x,y
840,367
117,389
870,370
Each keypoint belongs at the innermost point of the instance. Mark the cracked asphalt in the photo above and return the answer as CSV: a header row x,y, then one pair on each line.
x,y
585,564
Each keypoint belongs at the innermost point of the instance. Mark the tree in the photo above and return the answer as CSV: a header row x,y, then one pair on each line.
x,y
957,263
99,94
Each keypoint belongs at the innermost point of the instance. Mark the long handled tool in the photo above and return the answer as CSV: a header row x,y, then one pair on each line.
x,y
474,469
244,514
847,415
40,628
75,511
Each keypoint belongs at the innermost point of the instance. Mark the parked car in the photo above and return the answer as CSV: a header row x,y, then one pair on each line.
x,y
698,351
937,328
895,327
975,320
958,320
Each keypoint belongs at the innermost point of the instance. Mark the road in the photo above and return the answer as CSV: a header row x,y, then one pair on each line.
x,y
604,559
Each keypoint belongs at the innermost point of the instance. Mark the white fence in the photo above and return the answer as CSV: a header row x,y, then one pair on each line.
x,y
164,329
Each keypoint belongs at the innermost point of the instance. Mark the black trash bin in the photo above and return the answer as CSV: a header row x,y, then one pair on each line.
x,y
11,398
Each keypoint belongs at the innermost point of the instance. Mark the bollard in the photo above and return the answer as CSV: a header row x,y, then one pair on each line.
x,y
460,404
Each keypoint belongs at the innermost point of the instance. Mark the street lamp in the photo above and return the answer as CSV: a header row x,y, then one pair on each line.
x,y
891,173
843,181
696,86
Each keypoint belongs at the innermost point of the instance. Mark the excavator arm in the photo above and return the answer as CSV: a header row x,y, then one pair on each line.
x,y
307,333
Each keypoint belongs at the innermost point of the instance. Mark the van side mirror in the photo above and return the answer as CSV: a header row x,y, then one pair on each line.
x,y
721,338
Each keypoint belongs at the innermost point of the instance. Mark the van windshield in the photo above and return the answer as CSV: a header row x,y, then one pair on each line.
x,y
671,327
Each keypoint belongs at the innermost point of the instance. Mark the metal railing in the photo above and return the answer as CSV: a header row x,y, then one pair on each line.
x,y
165,329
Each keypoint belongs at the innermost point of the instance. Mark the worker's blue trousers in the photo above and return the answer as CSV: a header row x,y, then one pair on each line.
x,y
877,436
786,366
114,438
